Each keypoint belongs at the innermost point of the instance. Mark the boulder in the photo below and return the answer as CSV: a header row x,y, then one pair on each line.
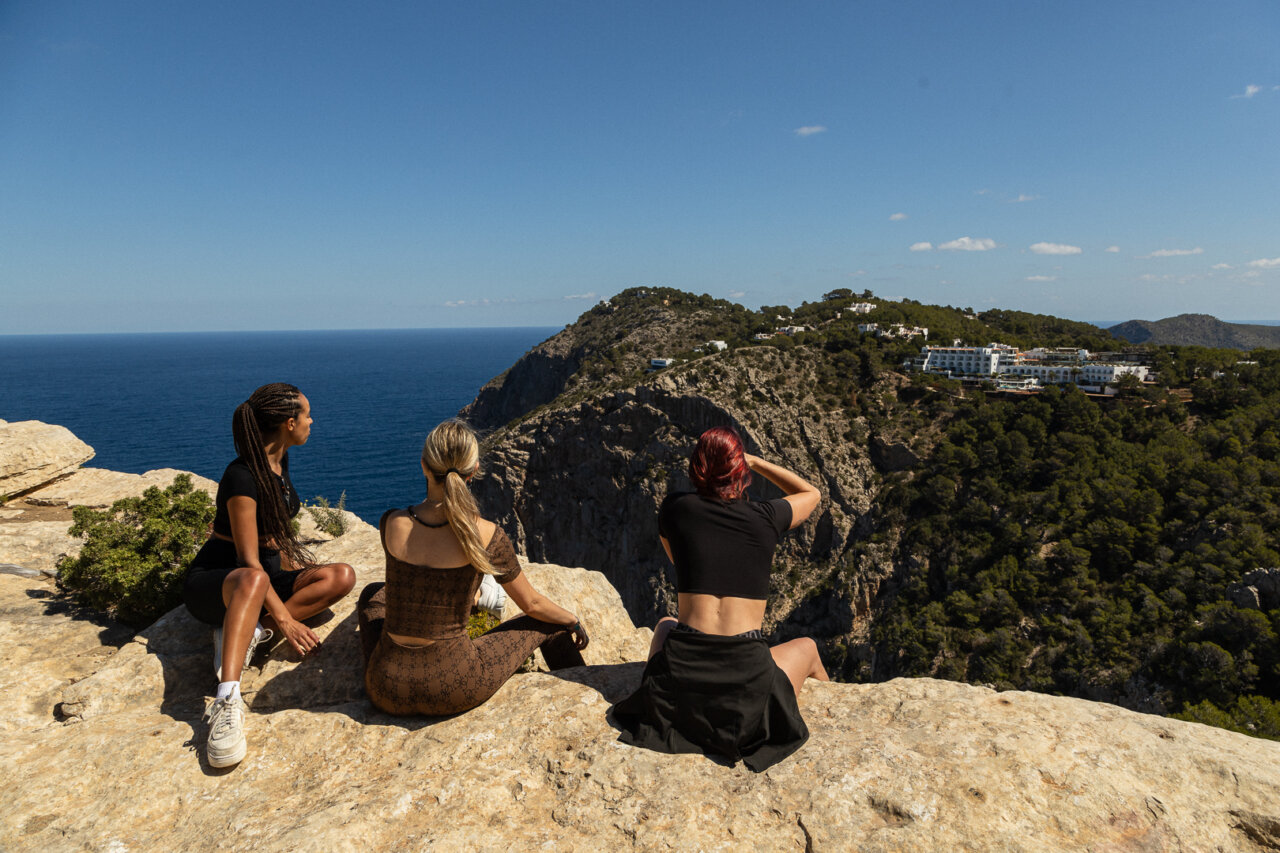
x,y
36,544
34,453
99,488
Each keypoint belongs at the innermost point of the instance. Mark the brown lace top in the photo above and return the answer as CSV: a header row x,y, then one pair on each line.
x,y
433,603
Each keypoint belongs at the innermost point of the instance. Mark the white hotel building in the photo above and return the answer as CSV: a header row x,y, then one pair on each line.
x,y
996,360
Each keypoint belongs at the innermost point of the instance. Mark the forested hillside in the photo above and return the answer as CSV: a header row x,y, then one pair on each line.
x,y
1094,547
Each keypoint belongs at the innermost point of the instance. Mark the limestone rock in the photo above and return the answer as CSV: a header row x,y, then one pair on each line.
x,y
36,544
1257,590
906,765
34,453
98,487
45,643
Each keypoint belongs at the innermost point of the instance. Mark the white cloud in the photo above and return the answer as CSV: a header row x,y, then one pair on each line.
x,y
923,246
581,296
1042,278
897,217
464,303
1265,263
982,192
1249,91
1223,267
1174,253
1112,249
1024,197
968,244
810,130
737,294
857,273
1055,249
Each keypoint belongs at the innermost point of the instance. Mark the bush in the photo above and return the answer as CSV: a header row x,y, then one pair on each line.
x,y
329,519
136,553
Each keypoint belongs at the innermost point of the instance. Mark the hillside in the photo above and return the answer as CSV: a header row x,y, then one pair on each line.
x,y
1200,330
1046,542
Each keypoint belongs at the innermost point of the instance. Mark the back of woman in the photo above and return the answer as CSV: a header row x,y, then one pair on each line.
x,y
419,658
712,683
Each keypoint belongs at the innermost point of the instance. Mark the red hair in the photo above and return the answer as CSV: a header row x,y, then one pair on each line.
x,y
718,467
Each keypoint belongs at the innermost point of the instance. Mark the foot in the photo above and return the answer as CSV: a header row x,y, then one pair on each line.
x,y
260,635
492,597
226,744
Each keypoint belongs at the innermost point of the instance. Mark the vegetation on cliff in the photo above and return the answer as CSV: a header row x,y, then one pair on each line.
x,y
1051,542
136,553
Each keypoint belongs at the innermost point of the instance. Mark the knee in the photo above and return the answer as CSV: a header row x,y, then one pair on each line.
x,y
344,579
666,623
251,580
370,590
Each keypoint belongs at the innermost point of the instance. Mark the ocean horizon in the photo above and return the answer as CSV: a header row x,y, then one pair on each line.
x,y
146,400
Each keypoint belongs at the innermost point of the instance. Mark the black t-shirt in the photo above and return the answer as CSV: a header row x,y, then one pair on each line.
x,y
723,547
237,481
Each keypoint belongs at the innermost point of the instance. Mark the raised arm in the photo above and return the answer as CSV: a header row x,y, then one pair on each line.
x,y
799,492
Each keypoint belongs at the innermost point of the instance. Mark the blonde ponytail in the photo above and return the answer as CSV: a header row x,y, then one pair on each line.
x,y
451,454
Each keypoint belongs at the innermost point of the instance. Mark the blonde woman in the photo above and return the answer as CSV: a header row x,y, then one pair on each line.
x,y
418,657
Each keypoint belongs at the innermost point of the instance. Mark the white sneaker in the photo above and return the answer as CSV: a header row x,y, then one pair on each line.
x,y
492,596
226,745
260,635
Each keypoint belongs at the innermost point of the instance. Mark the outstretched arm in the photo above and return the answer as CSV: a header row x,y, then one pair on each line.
x,y
537,605
800,493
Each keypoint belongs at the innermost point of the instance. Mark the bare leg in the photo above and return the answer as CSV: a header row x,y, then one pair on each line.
x,y
243,591
317,589
660,632
799,660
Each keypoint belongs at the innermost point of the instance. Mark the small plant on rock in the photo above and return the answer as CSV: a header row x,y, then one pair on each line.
x,y
136,553
330,519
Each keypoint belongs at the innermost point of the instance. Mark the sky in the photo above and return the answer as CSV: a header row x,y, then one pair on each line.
x,y
319,165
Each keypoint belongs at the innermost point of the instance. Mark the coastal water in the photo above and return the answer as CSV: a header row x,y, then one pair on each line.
x,y
165,400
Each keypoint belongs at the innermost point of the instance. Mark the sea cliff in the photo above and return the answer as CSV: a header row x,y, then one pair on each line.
x,y
102,747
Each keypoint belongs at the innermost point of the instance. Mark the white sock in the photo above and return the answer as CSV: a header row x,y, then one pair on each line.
x,y
228,689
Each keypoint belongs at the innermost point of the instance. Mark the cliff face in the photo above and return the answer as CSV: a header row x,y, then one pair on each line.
x,y
580,481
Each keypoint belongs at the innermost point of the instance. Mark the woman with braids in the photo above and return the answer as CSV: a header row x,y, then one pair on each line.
x,y
712,683
413,628
253,575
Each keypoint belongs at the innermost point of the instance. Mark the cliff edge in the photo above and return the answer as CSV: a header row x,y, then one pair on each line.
x,y
102,741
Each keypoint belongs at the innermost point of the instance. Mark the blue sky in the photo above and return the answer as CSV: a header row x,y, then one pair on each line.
x,y
282,165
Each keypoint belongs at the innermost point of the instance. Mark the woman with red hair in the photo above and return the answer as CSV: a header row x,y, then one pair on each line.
x,y
712,683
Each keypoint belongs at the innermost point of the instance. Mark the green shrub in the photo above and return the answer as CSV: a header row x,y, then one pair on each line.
x,y
136,553
329,519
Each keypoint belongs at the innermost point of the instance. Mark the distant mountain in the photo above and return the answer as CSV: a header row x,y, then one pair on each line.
x,y
1198,330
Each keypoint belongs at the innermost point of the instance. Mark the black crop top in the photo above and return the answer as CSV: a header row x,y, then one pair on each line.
x,y
237,481
723,547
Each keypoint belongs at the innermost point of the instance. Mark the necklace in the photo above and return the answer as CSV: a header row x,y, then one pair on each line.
x,y
414,516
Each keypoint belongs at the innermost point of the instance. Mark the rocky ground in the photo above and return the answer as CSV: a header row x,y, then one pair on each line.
x,y
101,741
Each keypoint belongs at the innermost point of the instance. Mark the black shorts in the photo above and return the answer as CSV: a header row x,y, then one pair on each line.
x,y
202,590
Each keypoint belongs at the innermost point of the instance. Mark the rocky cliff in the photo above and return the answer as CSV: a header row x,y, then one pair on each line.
x,y
101,740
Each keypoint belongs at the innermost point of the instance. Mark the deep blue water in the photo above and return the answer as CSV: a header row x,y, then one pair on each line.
x,y
165,400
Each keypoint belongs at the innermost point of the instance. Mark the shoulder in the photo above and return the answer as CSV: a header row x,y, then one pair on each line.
x,y
777,512
676,500
488,531
238,480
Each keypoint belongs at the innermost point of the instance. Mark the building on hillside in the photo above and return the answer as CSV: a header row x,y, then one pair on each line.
x,y
868,328
717,345
1045,366
762,336
657,363
792,330
862,307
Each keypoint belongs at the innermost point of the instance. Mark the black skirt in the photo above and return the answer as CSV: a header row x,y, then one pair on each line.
x,y
714,694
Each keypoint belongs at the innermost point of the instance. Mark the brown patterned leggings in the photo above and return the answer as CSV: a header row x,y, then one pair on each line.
x,y
455,674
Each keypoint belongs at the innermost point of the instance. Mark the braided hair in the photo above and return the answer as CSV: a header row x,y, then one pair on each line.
x,y
451,453
262,414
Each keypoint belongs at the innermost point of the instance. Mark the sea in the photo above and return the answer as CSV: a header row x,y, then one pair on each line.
x,y
146,401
